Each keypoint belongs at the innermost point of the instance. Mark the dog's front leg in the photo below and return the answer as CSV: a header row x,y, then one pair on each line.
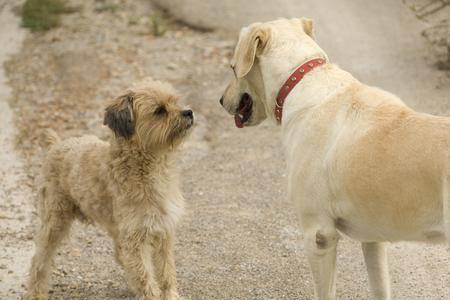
x,y
321,240
377,268
165,267
136,256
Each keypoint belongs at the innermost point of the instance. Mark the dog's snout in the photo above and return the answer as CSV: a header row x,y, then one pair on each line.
x,y
188,113
221,101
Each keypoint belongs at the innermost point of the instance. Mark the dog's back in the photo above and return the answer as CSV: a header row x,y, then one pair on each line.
x,y
63,154
73,165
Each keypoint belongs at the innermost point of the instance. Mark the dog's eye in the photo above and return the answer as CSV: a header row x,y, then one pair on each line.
x,y
160,110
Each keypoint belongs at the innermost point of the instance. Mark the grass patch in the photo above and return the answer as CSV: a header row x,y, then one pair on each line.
x,y
106,7
157,25
42,15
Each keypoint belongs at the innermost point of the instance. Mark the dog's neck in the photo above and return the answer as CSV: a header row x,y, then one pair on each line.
x,y
278,75
315,89
275,71
130,155
294,79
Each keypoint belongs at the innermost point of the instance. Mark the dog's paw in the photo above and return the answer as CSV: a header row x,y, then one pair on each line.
x,y
143,297
170,295
30,296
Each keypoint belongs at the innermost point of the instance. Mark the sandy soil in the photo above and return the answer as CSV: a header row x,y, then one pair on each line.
x,y
239,238
15,192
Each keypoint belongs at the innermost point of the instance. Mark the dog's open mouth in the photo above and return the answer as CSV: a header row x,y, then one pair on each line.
x,y
244,111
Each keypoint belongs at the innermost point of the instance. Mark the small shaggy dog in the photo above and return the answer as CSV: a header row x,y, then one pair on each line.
x,y
129,187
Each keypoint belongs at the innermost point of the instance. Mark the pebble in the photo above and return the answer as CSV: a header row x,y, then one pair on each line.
x,y
172,66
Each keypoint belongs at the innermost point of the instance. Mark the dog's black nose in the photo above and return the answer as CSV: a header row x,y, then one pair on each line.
x,y
221,100
187,113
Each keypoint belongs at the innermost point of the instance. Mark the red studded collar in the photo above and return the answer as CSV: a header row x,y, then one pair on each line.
x,y
292,81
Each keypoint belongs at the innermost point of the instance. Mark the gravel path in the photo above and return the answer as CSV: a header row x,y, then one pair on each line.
x,y
15,193
239,239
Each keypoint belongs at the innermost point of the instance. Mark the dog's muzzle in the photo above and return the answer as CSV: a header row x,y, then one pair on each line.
x,y
188,114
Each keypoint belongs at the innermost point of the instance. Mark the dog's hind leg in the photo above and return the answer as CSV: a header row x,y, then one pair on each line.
x,y
377,268
321,240
165,267
56,217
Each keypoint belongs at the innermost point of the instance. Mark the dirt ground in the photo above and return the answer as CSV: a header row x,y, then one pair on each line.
x,y
238,239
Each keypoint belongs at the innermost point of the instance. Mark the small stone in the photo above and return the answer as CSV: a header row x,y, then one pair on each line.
x,y
172,66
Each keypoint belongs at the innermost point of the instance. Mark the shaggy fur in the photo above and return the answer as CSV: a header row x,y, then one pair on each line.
x,y
360,162
129,187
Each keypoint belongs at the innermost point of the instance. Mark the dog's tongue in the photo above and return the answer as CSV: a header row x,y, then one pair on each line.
x,y
238,121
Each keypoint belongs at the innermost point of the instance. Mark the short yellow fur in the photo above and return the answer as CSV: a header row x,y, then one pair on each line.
x,y
359,161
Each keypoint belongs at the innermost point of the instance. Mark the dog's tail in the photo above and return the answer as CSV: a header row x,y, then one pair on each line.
x,y
50,137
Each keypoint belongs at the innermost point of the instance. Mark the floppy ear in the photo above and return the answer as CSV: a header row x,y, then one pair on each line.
x,y
119,116
307,26
252,42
